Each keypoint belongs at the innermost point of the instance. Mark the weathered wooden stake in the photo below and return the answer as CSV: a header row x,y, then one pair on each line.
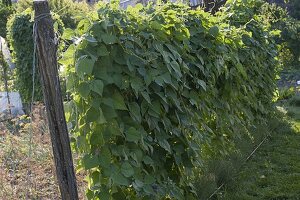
x,y
46,49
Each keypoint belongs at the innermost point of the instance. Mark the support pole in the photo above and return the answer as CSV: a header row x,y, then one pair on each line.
x,y
46,49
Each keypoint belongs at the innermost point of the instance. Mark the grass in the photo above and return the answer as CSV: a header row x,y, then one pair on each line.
x,y
273,173
26,162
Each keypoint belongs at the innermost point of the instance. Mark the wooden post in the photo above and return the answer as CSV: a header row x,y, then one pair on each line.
x,y
46,49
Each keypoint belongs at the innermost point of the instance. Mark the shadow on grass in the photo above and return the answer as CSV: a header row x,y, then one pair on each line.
x,y
274,170
271,172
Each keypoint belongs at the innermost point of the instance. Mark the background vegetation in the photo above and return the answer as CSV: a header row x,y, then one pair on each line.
x,y
5,12
19,35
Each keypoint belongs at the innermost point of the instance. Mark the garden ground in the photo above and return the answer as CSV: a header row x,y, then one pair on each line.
x,y
26,165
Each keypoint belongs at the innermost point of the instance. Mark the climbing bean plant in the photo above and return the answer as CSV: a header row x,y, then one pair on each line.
x,y
156,89
5,12
20,38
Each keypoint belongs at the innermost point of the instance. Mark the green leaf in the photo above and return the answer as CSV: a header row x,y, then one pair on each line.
x,y
147,160
96,138
136,84
167,78
108,38
68,34
91,40
135,111
109,111
84,89
127,170
70,82
83,26
137,184
92,114
89,194
118,55
164,144
68,56
156,25
102,119
146,97
90,161
105,157
119,179
84,65
104,195
118,101
97,86
175,66
214,31
202,84
156,107
133,135
149,179
241,69
113,128
102,50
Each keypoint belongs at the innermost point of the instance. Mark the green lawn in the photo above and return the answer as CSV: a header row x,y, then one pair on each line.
x,y
274,170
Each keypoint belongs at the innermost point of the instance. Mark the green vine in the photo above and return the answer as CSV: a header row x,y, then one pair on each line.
x,y
156,90
20,39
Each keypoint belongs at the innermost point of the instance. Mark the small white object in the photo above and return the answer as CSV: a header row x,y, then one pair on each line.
x,y
298,82
15,103
6,53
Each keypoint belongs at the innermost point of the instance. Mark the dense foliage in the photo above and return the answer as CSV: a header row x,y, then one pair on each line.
x,y
156,90
5,12
20,39
288,37
295,8
19,35
6,2
68,10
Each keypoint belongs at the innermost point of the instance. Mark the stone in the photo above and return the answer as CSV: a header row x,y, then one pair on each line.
x,y
15,103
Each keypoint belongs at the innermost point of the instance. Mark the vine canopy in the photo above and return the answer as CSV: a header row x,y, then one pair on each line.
x,y
157,89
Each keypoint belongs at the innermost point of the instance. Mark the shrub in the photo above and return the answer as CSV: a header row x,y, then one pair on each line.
x,y
20,39
291,37
156,90
288,36
5,12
